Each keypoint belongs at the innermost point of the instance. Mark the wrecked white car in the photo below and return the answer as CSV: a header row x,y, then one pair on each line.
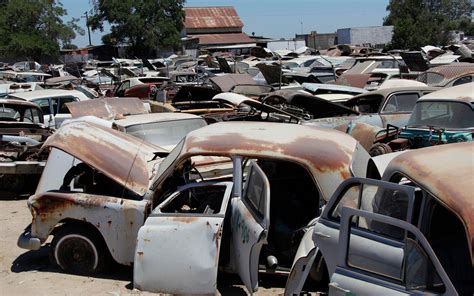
x,y
236,195
245,216
410,234
91,196
21,134
131,116
53,103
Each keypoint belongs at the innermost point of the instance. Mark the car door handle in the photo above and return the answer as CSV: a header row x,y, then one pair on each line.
x,y
337,287
321,234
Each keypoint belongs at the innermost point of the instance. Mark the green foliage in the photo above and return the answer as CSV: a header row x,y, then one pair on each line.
x,y
70,46
33,29
426,22
143,25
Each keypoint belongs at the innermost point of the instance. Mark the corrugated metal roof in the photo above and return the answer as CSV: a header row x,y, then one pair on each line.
x,y
212,17
230,38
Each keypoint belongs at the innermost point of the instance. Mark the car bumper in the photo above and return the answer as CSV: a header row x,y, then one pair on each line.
x,y
26,241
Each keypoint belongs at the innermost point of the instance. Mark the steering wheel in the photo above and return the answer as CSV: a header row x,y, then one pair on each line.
x,y
439,131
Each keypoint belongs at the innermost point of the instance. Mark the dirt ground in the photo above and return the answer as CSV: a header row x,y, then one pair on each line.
x,y
25,272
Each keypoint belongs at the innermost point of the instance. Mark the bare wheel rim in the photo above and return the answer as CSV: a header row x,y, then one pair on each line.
x,y
76,253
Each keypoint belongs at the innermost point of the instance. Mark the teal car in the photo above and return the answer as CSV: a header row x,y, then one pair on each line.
x,y
441,117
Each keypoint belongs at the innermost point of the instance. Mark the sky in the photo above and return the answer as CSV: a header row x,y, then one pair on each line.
x,y
272,18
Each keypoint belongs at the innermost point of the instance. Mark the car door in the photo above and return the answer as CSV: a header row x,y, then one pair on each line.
x,y
61,112
48,114
421,272
249,224
398,107
354,193
120,92
366,194
178,247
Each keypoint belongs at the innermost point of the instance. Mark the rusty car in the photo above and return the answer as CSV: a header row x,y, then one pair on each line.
x,y
441,117
243,214
244,108
53,103
448,75
22,132
141,87
90,196
305,105
245,188
379,107
411,233
131,116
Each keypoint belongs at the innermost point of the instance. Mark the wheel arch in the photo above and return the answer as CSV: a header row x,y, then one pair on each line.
x,y
84,224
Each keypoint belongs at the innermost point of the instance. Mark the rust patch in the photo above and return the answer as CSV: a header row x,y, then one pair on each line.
x,y
185,219
326,156
53,202
216,238
466,99
323,154
107,108
326,153
452,71
354,80
364,133
115,154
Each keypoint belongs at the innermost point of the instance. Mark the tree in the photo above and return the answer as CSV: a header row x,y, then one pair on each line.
x,y
33,29
142,25
425,22
70,46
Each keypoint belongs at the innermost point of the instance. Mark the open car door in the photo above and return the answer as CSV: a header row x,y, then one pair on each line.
x,y
420,273
375,196
250,222
178,247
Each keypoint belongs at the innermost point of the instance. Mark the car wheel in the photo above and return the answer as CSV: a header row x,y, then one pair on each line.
x,y
76,251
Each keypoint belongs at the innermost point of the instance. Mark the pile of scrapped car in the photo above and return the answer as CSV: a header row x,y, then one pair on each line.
x,y
198,166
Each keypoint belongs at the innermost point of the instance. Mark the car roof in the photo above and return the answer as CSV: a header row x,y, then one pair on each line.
x,y
14,101
144,79
45,93
379,58
313,87
387,91
326,153
453,70
463,93
130,120
25,73
446,172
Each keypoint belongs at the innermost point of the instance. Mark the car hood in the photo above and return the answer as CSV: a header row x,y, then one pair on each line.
x,y
318,107
107,108
127,160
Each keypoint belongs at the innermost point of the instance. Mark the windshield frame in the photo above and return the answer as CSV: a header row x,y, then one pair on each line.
x,y
140,130
417,109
